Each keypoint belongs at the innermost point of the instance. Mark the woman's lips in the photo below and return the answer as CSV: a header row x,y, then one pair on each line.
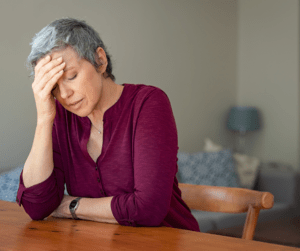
x,y
76,105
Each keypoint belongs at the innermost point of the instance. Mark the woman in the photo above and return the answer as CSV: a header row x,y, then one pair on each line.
x,y
114,146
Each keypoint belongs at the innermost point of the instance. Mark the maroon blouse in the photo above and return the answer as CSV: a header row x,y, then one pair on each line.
x,y
137,165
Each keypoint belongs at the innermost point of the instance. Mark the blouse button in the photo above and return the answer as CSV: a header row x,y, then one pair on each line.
x,y
98,180
96,168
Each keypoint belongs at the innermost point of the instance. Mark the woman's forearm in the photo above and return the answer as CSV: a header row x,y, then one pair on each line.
x,y
39,164
94,209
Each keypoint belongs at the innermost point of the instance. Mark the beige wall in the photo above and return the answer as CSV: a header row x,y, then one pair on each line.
x,y
268,75
187,48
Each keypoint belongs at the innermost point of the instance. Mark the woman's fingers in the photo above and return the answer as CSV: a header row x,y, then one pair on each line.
x,y
41,62
45,85
50,74
44,67
52,82
47,74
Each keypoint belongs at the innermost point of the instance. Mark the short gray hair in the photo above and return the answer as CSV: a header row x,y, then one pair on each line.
x,y
66,32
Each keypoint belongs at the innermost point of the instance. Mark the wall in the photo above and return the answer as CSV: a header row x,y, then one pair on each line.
x,y
187,48
268,75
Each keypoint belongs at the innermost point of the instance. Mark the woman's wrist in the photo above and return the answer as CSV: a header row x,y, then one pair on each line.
x,y
45,122
63,210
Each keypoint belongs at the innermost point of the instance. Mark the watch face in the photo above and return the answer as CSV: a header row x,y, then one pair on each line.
x,y
73,204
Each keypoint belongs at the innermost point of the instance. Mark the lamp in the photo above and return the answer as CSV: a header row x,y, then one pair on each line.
x,y
242,119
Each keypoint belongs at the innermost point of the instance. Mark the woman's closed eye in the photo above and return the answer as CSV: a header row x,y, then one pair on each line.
x,y
69,79
73,77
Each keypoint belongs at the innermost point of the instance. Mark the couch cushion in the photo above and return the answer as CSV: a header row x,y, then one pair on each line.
x,y
284,185
207,168
9,183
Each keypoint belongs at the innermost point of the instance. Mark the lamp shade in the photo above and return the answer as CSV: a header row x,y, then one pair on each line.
x,y
243,118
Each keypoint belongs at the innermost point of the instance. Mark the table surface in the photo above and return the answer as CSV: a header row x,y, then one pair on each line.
x,y
19,232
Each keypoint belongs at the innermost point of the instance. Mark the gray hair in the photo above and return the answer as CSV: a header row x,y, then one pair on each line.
x,y
66,32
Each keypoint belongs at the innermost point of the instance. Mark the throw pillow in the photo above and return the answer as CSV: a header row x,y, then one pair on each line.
x,y
9,184
210,146
246,166
213,169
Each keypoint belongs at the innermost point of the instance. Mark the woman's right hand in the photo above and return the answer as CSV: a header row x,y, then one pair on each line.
x,y
47,73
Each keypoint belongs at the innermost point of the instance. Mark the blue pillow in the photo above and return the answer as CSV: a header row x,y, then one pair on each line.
x,y
207,168
9,184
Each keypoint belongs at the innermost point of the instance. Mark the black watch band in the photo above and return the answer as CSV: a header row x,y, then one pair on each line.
x,y
73,206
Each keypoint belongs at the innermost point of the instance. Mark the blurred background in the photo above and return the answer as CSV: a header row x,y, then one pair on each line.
x,y
207,55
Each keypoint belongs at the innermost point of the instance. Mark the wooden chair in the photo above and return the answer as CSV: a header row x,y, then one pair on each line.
x,y
228,200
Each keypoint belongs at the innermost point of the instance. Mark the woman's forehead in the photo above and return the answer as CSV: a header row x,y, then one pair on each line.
x,y
70,57
67,54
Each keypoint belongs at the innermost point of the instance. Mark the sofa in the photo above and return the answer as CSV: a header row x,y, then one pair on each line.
x,y
219,169
283,184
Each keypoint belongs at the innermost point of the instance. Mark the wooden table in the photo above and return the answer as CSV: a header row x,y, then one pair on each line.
x,y
19,232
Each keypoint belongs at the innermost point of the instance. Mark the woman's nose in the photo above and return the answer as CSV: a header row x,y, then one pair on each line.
x,y
65,92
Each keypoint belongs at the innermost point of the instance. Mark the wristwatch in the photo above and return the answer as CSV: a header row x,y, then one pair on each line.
x,y
73,206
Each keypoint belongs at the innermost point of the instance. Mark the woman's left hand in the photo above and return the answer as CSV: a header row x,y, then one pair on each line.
x,y
63,210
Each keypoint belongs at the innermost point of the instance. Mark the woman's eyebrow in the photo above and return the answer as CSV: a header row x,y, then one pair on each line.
x,y
69,68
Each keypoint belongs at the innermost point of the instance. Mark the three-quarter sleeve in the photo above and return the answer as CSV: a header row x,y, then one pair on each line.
x,y
155,146
40,200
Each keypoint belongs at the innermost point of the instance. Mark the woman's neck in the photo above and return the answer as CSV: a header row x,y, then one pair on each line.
x,y
110,94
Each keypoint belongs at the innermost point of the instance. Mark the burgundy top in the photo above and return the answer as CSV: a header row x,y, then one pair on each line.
x,y
137,165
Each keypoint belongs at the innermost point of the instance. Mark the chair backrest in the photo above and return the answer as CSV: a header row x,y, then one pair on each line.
x,y
228,200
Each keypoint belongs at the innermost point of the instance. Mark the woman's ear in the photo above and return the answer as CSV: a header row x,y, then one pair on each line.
x,y
101,59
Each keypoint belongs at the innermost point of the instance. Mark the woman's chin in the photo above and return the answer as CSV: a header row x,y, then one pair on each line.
x,y
81,114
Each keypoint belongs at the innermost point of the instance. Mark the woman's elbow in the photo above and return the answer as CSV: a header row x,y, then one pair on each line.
x,y
35,215
39,211
153,216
